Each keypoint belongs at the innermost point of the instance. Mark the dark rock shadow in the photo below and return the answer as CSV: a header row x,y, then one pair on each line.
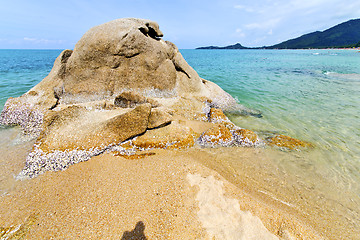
x,y
136,234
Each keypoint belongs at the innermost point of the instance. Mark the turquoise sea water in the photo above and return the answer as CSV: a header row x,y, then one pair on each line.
x,y
20,70
313,95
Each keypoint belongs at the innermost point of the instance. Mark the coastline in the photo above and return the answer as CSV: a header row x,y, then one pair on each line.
x,y
256,48
109,195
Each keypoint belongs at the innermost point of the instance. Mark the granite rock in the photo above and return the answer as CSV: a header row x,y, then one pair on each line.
x,y
246,137
120,81
76,128
172,136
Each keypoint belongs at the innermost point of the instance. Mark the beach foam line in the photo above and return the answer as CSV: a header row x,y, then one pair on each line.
x,y
270,195
345,76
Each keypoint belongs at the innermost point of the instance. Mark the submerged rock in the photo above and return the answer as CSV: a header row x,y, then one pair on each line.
x,y
283,141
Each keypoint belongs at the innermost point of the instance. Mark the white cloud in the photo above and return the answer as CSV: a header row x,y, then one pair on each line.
x,y
30,39
253,26
42,41
245,8
270,23
239,32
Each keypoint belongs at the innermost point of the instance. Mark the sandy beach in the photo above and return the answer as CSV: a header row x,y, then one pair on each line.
x,y
155,197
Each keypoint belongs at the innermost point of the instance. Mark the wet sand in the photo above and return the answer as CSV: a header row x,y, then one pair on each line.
x,y
111,197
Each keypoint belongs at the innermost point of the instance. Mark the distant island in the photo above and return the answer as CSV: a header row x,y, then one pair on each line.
x,y
343,35
235,46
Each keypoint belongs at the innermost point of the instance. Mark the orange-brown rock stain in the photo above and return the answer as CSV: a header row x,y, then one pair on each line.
x,y
246,133
219,133
287,142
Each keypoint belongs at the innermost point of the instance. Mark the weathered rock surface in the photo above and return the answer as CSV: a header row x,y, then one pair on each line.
x,y
218,135
76,128
132,99
172,136
216,115
129,100
159,118
246,137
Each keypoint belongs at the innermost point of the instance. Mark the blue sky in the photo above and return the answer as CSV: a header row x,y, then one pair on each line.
x,y
48,24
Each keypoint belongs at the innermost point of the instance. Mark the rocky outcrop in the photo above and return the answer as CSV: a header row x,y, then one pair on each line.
x,y
124,55
119,56
124,89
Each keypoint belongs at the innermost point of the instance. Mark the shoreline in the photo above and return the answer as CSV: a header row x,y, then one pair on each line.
x,y
357,49
66,201
99,194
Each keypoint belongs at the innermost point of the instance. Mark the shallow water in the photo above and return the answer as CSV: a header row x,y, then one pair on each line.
x,y
313,95
296,185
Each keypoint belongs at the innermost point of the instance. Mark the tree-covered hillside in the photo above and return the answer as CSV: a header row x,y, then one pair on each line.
x,y
344,34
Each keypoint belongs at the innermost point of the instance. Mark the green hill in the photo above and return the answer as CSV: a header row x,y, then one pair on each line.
x,y
343,35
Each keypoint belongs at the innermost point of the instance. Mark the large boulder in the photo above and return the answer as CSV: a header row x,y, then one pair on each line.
x,y
122,55
120,81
